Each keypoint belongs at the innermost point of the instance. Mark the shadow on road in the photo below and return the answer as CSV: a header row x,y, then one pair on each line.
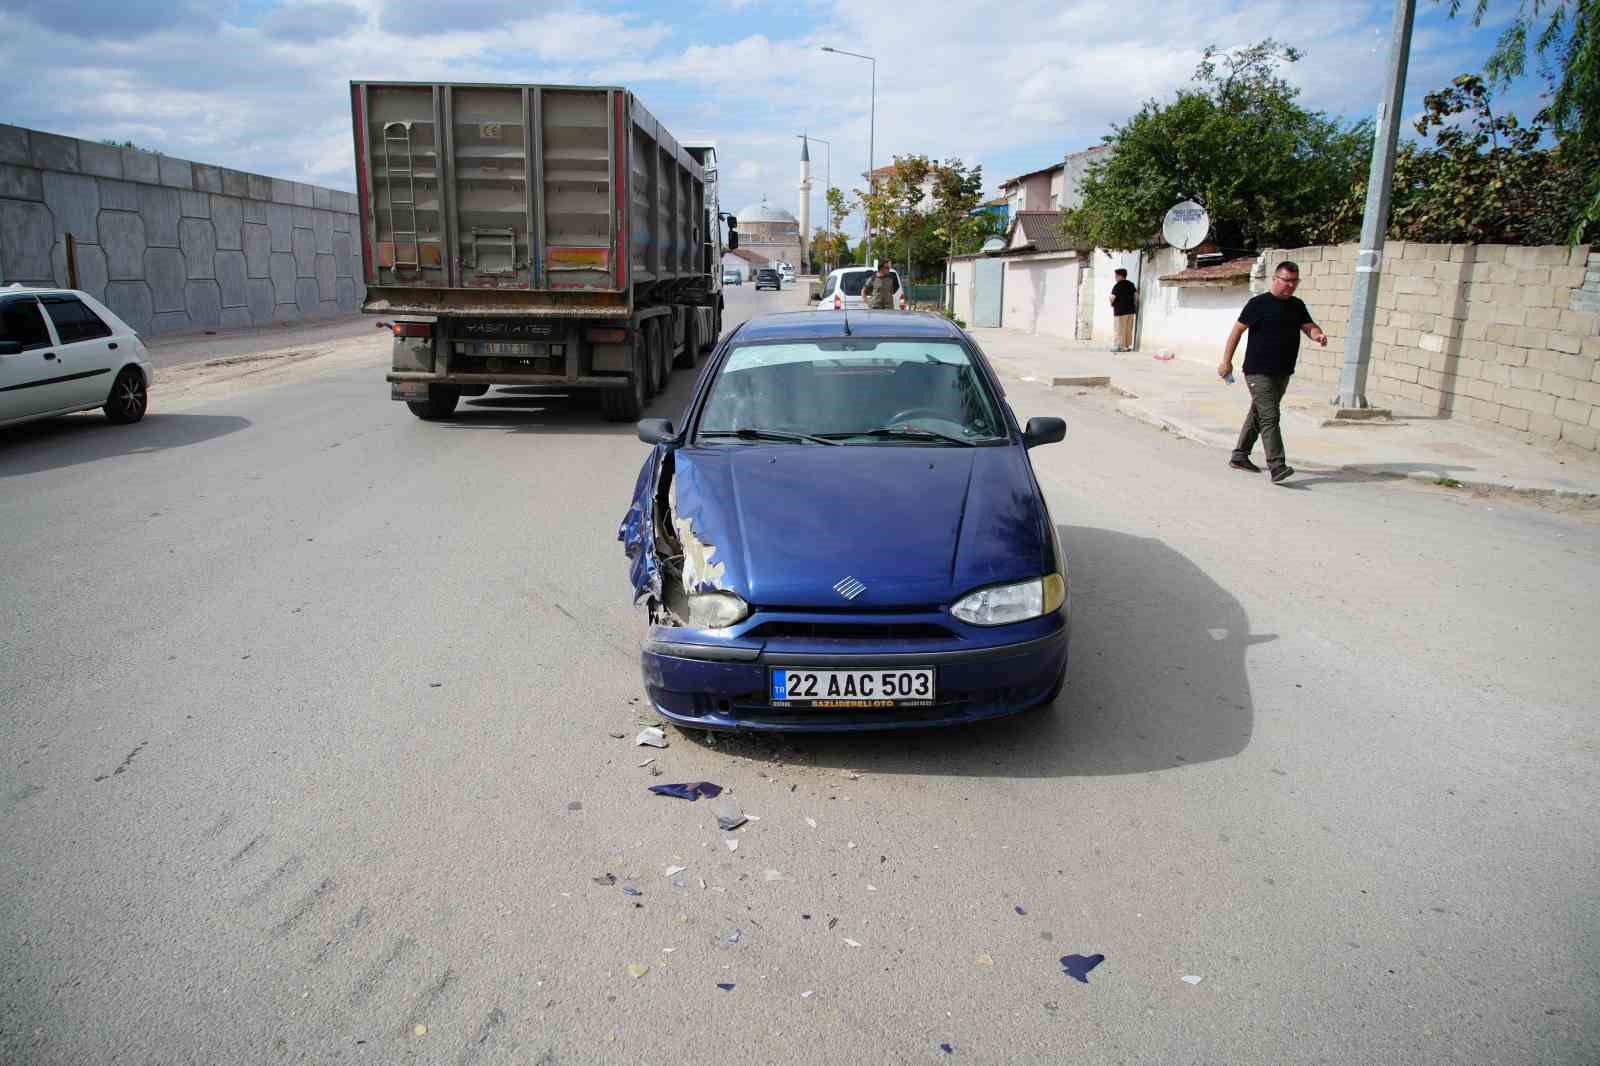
x,y
535,409
88,437
1157,679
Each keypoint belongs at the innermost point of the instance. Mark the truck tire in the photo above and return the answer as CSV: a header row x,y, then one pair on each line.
x,y
691,342
440,404
655,380
664,349
627,404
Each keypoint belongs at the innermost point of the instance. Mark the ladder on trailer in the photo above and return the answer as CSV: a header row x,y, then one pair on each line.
x,y
397,145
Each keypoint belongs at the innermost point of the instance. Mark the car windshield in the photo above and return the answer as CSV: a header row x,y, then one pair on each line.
x,y
856,390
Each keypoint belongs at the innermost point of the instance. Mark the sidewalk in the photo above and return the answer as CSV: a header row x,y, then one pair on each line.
x,y
1189,399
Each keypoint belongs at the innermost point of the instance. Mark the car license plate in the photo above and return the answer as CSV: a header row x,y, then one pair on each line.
x,y
853,688
505,348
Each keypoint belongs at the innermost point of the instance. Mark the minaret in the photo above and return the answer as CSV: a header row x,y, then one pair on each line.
x,y
805,205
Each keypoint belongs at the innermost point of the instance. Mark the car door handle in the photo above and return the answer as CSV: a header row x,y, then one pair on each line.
x,y
112,346
49,355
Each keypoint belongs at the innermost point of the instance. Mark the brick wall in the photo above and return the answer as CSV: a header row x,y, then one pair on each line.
x,y
1495,334
169,244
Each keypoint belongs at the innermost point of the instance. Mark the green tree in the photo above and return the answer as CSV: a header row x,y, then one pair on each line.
x,y
1566,35
1266,170
1486,179
957,191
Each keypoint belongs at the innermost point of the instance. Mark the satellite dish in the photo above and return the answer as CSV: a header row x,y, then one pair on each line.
x,y
1186,225
994,244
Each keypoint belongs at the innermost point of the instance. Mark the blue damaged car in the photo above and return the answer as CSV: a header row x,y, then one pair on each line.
x,y
846,533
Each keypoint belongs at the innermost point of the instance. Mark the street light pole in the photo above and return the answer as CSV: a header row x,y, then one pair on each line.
x,y
1375,220
872,135
827,184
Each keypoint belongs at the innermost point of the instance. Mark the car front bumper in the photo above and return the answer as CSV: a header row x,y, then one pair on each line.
x,y
699,681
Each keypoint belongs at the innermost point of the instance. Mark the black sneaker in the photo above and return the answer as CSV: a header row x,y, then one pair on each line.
x,y
1244,464
1283,473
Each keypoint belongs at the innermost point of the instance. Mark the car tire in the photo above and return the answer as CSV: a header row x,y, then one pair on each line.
x,y
440,404
128,399
627,404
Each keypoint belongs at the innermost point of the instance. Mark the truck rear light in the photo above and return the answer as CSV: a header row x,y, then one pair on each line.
x,y
413,329
606,336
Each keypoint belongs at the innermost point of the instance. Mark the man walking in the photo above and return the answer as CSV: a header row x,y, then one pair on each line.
x,y
881,287
1124,305
1275,320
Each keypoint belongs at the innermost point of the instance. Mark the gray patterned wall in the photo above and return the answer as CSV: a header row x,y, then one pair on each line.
x,y
169,244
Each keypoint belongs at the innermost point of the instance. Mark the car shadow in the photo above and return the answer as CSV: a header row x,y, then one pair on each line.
x,y
87,437
1156,680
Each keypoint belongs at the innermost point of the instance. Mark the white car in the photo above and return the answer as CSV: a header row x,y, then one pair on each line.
x,y
841,291
786,272
62,351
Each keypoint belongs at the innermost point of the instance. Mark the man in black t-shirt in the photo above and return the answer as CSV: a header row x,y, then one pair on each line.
x,y
1275,320
1124,297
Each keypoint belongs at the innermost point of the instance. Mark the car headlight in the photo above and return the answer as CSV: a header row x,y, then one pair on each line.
x,y
1003,604
716,610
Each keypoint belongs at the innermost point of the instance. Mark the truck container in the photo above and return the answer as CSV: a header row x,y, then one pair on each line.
x,y
543,235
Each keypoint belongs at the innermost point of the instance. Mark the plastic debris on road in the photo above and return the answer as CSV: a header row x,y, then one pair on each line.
x,y
605,879
726,986
629,890
1078,966
419,1030
691,790
985,959
1019,909
1165,355
947,1049
812,822
729,816
851,943
1193,979
648,761
618,736
735,936
637,970
772,875
651,737
733,845
673,871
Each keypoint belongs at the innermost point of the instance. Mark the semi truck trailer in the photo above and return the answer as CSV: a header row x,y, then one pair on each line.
x,y
554,236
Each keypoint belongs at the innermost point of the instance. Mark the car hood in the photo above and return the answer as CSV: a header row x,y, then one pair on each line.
x,y
917,526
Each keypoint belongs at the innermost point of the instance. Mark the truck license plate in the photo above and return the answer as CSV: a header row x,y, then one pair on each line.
x,y
853,688
505,348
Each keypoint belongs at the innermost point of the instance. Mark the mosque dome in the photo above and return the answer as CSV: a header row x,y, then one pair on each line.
x,y
765,212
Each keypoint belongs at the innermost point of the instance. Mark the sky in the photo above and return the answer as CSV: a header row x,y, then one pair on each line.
x,y
262,85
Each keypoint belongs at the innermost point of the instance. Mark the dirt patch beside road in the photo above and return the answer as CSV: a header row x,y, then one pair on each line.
x,y
190,384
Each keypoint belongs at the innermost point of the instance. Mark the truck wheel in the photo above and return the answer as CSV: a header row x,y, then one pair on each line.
x,y
691,343
627,404
664,350
440,404
654,378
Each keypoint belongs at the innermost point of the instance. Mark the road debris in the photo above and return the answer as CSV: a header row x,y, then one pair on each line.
x,y
832,922
1193,979
947,1049
812,822
673,871
648,761
575,806
733,845
431,684
637,970
729,816
605,879
1078,966
851,943
629,890
726,986
652,737
691,790
419,1030
1019,910
985,959
808,993
735,936
772,875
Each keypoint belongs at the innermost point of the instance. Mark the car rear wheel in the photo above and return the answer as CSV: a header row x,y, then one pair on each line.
x,y
440,404
128,399
627,404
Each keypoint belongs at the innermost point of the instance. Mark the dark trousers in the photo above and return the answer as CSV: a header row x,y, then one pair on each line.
x,y
1265,392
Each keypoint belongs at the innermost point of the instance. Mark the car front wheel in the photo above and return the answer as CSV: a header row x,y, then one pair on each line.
x,y
128,398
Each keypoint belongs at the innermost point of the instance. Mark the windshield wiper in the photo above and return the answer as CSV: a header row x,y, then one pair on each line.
x,y
907,433
748,433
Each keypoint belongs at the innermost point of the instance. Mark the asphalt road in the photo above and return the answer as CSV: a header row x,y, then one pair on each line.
x,y
307,755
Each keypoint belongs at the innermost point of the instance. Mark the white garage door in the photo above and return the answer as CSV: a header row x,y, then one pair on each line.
x,y
1042,296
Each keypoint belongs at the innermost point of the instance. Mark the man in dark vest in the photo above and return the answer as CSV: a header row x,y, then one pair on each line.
x,y
1275,319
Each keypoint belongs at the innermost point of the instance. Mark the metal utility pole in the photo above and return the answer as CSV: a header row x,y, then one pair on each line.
x,y
872,135
1375,222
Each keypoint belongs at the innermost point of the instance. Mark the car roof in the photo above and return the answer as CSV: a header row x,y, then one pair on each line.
x,y
34,290
806,325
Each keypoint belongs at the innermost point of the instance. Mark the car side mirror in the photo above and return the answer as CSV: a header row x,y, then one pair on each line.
x,y
733,222
10,347
1039,431
733,239
660,431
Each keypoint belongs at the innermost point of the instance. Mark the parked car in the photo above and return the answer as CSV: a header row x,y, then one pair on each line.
x,y
731,276
841,290
61,351
768,278
845,533
786,272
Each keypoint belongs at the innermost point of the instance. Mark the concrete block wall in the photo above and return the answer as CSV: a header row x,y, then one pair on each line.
x,y
1495,334
170,244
